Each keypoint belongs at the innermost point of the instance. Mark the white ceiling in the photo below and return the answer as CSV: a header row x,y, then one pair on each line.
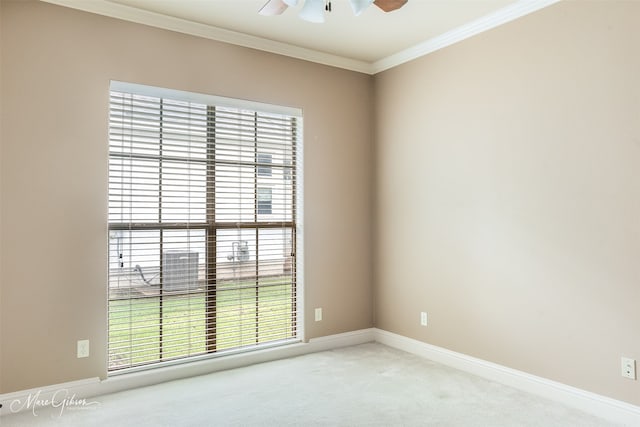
x,y
369,43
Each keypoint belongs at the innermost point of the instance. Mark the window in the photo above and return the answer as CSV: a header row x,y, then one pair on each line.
x,y
202,235
264,160
264,201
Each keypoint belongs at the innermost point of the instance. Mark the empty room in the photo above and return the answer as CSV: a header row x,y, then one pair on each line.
x,y
319,213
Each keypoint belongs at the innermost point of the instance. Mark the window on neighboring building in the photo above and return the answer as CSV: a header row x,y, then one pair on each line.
x,y
286,172
264,201
264,164
194,267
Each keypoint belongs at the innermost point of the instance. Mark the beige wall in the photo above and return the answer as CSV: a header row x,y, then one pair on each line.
x,y
56,67
508,196
506,186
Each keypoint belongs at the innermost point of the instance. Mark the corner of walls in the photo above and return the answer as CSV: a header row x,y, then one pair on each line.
x,y
374,198
1,183
372,201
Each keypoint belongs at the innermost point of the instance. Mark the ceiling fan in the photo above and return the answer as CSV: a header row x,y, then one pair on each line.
x,y
313,10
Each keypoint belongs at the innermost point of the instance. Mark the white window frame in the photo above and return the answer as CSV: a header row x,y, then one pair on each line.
x,y
299,198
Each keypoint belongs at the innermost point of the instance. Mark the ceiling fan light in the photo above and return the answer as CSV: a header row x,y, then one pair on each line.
x,y
360,6
313,11
291,3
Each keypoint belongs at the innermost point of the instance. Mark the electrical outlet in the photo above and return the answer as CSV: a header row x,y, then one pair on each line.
x,y
628,368
423,318
318,314
83,348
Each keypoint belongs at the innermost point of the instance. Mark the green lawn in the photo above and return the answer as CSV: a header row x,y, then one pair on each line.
x,y
135,325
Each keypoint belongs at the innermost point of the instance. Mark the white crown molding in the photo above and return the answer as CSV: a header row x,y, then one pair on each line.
x,y
132,14
127,13
485,23
592,403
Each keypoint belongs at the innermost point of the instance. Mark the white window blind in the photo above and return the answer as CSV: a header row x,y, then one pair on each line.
x,y
202,240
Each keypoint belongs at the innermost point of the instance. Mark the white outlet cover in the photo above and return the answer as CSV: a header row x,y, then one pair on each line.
x,y
83,348
628,368
318,314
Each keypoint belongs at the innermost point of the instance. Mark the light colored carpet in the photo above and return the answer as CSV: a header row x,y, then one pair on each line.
x,y
364,385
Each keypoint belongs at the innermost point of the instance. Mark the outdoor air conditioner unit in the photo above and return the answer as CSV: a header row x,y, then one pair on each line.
x,y
179,270
239,251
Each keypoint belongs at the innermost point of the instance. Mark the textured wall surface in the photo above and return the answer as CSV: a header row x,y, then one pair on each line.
x,y
508,196
56,68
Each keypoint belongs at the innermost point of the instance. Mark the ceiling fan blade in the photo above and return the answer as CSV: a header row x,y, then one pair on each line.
x,y
313,11
273,7
359,6
390,5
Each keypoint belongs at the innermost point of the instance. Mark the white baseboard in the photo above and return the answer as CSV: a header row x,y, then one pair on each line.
x,y
19,401
604,407
601,406
343,340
